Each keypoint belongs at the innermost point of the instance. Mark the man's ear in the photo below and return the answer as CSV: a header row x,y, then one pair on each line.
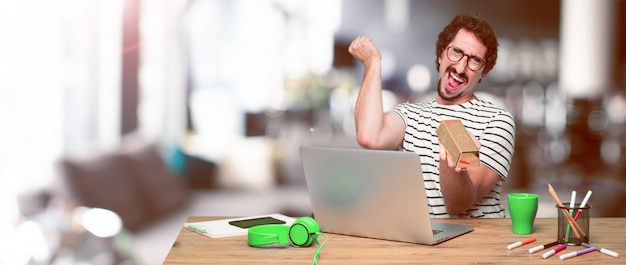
x,y
438,63
482,76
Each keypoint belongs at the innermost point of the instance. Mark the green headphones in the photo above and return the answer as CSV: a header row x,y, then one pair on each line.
x,y
302,233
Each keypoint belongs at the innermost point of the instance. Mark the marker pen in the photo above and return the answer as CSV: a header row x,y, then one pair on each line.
x,y
583,204
577,230
537,248
197,228
572,204
602,250
577,253
554,251
521,243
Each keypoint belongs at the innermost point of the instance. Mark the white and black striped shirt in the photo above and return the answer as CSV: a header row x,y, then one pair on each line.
x,y
492,125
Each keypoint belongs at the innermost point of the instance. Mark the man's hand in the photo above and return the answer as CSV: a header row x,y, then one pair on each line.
x,y
443,154
364,50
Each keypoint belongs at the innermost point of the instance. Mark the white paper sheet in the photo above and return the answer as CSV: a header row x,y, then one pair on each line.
x,y
222,228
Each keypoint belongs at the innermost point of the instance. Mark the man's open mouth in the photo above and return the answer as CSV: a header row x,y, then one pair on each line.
x,y
455,80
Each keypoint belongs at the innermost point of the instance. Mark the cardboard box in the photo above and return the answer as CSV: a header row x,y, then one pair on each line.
x,y
459,144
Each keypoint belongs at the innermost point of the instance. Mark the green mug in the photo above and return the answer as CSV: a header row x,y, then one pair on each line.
x,y
523,209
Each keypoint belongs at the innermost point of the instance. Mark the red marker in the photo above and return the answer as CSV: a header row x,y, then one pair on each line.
x,y
554,251
521,243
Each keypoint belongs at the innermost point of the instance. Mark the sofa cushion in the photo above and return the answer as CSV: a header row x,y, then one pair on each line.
x,y
104,181
133,181
163,190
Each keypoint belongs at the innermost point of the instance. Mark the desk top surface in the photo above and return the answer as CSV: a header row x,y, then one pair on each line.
x,y
486,244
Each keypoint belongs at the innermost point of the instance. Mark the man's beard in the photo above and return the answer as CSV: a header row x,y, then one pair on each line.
x,y
440,89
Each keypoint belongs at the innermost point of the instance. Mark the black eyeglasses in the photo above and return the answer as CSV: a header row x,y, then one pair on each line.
x,y
474,63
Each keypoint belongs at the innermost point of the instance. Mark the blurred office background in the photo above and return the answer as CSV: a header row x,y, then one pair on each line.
x,y
211,99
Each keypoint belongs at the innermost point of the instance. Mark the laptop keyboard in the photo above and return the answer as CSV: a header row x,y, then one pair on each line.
x,y
436,231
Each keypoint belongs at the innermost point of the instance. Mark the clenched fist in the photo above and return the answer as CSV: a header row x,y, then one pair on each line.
x,y
364,50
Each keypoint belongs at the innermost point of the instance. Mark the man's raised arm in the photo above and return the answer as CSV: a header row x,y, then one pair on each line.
x,y
375,129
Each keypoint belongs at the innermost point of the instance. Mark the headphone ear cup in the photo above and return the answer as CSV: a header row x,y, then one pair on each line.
x,y
304,231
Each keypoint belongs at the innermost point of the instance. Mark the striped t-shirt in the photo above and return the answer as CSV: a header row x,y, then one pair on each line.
x,y
492,125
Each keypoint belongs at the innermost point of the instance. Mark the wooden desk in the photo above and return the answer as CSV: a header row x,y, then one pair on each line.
x,y
487,244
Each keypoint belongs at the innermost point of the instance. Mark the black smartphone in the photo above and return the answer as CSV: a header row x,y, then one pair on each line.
x,y
247,223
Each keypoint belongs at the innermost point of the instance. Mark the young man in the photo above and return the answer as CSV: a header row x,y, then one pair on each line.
x,y
466,51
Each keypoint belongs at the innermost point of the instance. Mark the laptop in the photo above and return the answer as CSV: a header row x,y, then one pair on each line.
x,y
372,193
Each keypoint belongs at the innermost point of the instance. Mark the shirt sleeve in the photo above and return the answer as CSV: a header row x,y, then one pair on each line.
x,y
498,144
400,109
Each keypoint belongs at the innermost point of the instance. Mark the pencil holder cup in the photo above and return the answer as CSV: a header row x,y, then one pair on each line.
x,y
573,224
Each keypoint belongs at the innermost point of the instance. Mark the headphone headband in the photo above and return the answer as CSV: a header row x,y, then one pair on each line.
x,y
268,234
